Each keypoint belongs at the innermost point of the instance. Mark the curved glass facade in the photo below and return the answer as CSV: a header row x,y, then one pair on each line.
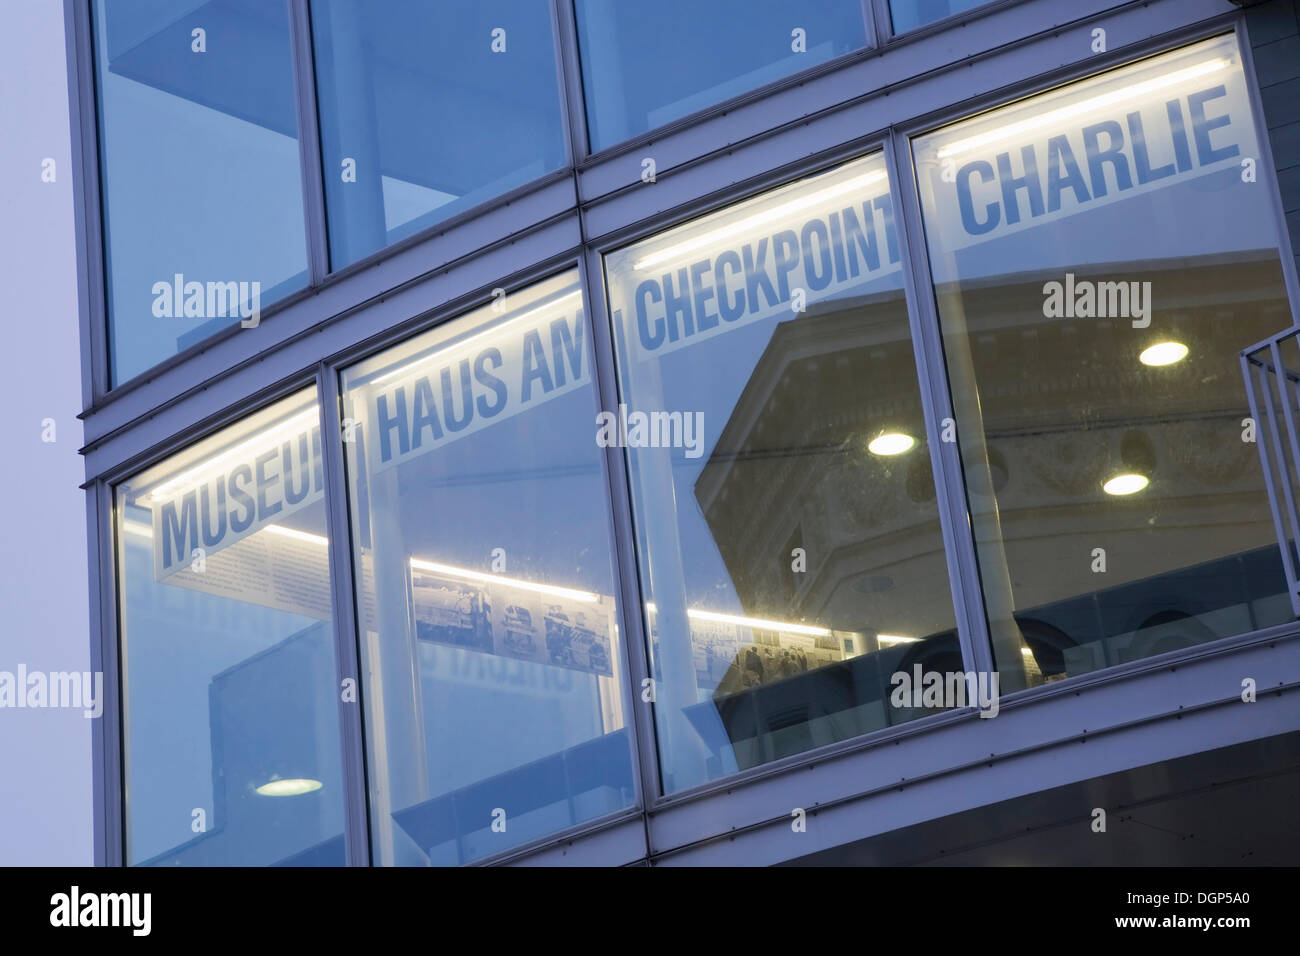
x,y
616,490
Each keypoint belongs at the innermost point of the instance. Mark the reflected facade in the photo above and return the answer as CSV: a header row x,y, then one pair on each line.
x,y
637,76
1100,259
200,175
481,548
428,109
791,555
232,748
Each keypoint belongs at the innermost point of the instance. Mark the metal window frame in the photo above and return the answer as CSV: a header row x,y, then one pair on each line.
x,y
719,156
87,206
309,146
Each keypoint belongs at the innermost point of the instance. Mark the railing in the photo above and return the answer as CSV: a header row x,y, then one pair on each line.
x,y
1273,389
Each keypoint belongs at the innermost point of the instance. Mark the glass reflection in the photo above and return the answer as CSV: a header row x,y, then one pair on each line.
x,y
428,109
201,180
1100,259
231,719
791,556
647,64
494,687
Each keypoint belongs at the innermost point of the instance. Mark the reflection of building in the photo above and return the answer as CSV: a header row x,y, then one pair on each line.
x,y
455,291
287,687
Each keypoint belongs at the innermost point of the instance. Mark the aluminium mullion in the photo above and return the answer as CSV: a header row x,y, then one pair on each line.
x,y
564,31
880,25
1268,176
309,149
936,405
87,208
108,783
356,832
636,646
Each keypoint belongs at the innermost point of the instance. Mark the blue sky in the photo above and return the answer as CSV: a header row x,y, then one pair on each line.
x,y
45,762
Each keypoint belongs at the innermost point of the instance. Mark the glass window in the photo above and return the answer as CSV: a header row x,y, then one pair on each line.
x,y
647,64
201,177
910,14
232,752
1101,253
494,692
429,108
787,526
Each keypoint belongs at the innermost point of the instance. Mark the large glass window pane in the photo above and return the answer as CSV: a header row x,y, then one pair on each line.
x,y
231,690
1101,253
427,108
910,14
786,515
201,179
494,691
647,64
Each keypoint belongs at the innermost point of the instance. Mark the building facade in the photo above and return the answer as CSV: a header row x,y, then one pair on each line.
x,y
568,431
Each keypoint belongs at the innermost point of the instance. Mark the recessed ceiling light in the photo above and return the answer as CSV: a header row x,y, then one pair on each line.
x,y
289,787
1163,353
1125,484
891,443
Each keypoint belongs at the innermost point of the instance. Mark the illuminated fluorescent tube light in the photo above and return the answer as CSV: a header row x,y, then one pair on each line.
x,y
573,595
895,639
138,529
1102,100
493,330
188,479
769,215
759,623
298,535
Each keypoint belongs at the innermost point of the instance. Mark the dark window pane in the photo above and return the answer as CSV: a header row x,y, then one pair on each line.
x,y
1101,254
494,691
202,183
787,528
647,64
231,716
910,14
429,108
